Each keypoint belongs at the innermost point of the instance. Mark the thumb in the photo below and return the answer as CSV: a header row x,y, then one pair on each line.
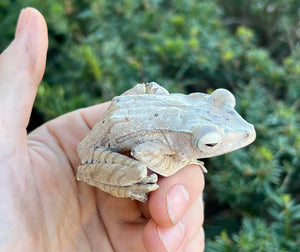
x,y
22,66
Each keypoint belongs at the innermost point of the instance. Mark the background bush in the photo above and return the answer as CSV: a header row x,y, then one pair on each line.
x,y
100,48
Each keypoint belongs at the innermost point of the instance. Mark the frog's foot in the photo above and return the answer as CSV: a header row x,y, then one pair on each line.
x,y
154,88
198,162
136,90
148,88
151,179
138,191
117,174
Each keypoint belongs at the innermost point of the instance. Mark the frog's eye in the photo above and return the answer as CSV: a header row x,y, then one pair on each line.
x,y
209,140
223,97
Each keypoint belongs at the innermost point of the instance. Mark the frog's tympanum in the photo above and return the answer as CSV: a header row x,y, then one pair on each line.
x,y
163,133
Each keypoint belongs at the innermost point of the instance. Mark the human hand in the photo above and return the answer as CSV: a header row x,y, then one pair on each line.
x,y
43,207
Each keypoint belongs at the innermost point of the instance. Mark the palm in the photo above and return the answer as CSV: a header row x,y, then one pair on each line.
x,y
81,211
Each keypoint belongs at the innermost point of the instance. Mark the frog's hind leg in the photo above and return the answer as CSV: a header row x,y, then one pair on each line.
x,y
148,88
112,171
113,168
154,88
138,192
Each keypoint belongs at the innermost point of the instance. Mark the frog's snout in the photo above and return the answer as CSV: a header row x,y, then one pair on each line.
x,y
247,135
250,134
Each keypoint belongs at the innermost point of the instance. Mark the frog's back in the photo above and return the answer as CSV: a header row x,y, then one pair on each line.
x,y
134,119
142,117
152,112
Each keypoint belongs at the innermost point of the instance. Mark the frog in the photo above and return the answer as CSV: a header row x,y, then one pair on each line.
x,y
148,132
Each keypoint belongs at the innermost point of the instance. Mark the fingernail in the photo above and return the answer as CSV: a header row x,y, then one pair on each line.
x,y
177,202
172,237
23,19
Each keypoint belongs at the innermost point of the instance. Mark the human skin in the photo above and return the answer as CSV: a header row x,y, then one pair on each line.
x,y
43,207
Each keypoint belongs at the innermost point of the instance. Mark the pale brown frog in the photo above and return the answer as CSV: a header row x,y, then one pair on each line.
x,y
163,133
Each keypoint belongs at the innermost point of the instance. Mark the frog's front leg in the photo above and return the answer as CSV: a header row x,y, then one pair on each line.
x,y
161,159
116,174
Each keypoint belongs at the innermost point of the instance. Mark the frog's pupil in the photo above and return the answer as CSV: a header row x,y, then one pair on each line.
x,y
211,144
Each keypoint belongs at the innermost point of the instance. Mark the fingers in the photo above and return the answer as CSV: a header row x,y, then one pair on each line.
x,y
175,195
177,212
197,243
186,233
22,66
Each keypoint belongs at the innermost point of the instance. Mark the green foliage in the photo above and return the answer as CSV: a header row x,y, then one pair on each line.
x,y
99,48
281,235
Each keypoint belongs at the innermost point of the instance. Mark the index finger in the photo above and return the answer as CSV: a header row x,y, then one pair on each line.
x,y
176,195
177,212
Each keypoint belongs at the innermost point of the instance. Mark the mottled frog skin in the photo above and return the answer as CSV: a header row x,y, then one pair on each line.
x,y
163,133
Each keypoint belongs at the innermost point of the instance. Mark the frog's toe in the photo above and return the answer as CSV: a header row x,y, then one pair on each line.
x,y
143,197
144,188
140,191
150,179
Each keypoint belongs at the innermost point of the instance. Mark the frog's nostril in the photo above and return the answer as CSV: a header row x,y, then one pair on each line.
x,y
249,134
